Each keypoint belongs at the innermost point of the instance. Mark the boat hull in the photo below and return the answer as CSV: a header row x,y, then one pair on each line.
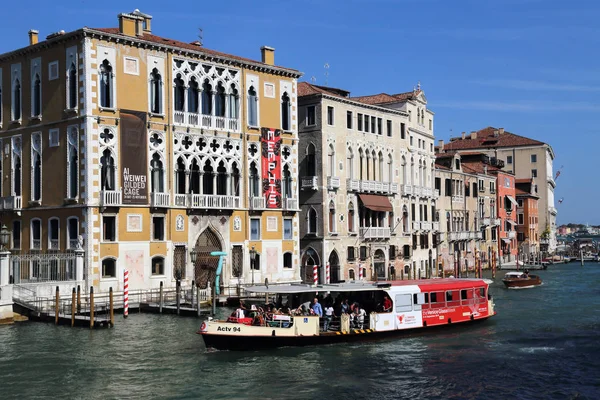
x,y
247,343
532,281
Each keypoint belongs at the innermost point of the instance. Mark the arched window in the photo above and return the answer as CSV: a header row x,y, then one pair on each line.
x,y
390,169
235,180
380,170
403,165
72,85
220,101
193,96
36,96
331,161
157,173
350,163
233,103
17,176
252,107
73,173
311,162
312,221
286,191
222,179
36,234
72,232
254,180
412,170
37,177
207,178
287,260
179,94
405,220
351,274
194,184
286,124
180,176
106,85
155,92
109,268
351,217
375,169
107,172
158,265
332,217
361,157
53,233
368,165
16,108
207,98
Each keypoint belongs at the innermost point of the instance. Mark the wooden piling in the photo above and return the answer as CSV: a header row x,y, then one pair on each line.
x,y
91,307
581,255
73,307
78,299
56,306
160,298
111,307
198,299
214,299
177,294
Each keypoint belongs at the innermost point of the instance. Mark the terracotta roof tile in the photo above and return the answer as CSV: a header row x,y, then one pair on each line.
x,y
478,167
307,89
384,98
188,46
487,139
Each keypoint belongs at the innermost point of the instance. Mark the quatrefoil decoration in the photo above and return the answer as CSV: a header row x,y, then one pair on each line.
x,y
228,146
215,145
186,142
107,136
202,144
156,140
286,153
252,149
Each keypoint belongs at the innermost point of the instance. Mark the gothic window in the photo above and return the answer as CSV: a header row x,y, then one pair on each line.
x,y
233,103
72,232
106,85
222,179
312,221
254,180
107,175
73,168
36,96
179,94
311,162
331,217
412,170
72,87
361,156
235,180
351,217
208,182
194,186
350,164
193,96
157,174
17,176
405,220
220,101
37,177
380,170
390,169
286,186
180,176
331,161
36,234
16,106
155,92
285,112
53,233
206,98
252,107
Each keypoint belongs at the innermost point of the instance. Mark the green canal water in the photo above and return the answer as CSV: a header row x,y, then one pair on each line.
x,y
543,344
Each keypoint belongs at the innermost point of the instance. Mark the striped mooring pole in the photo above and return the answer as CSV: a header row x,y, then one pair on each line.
x,y
315,274
360,271
125,294
327,276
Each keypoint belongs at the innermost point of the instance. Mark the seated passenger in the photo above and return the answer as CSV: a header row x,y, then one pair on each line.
x,y
387,304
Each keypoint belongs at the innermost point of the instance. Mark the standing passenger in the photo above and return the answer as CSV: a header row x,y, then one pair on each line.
x,y
328,317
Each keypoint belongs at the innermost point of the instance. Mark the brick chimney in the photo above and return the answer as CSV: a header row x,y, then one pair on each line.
x,y
463,135
441,145
33,37
473,134
267,55
134,23
500,131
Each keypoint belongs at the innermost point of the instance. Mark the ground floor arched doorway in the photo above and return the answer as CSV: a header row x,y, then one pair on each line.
x,y
205,268
334,267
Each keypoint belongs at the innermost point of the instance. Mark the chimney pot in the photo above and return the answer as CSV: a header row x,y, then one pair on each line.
x,y
473,134
267,55
33,36
500,131
463,135
441,145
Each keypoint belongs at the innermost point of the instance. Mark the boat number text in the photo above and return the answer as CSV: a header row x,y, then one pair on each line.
x,y
228,329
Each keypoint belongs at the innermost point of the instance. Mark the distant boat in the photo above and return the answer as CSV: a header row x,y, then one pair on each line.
x,y
521,280
520,265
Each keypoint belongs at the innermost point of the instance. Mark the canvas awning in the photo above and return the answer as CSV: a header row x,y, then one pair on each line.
x,y
376,203
505,240
512,200
510,221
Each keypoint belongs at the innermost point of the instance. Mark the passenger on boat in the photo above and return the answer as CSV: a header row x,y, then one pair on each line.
x,y
329,314
239,313
387,304
361,317
316,308
345,309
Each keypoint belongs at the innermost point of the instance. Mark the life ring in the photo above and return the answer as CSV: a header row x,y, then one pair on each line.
x,y
203,327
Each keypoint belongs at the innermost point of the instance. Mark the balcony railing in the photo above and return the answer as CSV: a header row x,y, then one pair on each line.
x,y
496,221
512,234
457,199
485,221
393,188
436,226
417,191
53,244
478,235
11,203
454,236
416,225
426,226
36,244
333,182
160,199
181,200
407,190
553,210
257,203
352,185
309,182
73,244
205,121
436,194
375,233
110,198
426,192
214,201
290,204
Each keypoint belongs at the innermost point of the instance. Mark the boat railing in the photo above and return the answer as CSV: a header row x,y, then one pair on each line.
x,y
265,319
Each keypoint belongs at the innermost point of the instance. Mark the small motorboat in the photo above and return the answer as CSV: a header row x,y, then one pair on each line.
x,y
521,280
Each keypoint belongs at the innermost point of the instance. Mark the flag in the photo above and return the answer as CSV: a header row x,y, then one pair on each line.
x,y
561,200
557,175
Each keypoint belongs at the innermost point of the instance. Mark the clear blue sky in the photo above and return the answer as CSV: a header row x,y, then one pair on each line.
x,y
530,66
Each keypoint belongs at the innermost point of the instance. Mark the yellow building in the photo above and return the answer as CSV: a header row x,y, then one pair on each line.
x,y
131,150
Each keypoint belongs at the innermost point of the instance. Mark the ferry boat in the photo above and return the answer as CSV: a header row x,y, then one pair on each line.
x,y
391,308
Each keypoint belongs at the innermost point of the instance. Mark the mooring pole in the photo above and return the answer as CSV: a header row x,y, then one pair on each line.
x,y
198,299
73,307
177,294
125,293
214,299
160,298
91,307
78,299
581,255
111,307
56,305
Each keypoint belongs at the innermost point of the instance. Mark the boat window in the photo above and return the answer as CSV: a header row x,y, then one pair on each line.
x,y
420,298
437,297
403,303
449,295
452,296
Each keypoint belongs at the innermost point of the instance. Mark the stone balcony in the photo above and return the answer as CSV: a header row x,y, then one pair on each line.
x,y
375,233
512,234
416,226
425,225
458,199
110,198
436,194
436,226
290,204
196,120
406,190
207,201
11,203
160,199
257,203
496,221
485,221
354,185
333,182
309,183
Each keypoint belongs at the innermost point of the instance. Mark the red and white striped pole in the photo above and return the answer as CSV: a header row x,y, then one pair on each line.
x,y
327,278
316,274
360,273
126,294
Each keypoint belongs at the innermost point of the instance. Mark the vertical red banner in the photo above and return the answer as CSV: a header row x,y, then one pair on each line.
x,y
271,166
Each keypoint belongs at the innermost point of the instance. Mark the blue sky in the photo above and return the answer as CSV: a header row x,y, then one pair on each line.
x,y
530,66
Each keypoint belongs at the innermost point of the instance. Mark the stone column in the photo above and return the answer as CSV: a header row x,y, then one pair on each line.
x,y
4,267
79,264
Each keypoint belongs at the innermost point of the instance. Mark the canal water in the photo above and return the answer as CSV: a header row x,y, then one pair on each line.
x,y
543,344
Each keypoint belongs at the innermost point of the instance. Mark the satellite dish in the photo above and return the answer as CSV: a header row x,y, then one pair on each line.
x,y
267,282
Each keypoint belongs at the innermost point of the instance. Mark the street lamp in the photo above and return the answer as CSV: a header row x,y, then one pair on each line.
x,y
4,237
193,255
253,254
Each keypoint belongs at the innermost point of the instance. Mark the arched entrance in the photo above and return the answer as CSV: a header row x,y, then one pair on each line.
x,y
205,267
379,264
309,260
334,267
